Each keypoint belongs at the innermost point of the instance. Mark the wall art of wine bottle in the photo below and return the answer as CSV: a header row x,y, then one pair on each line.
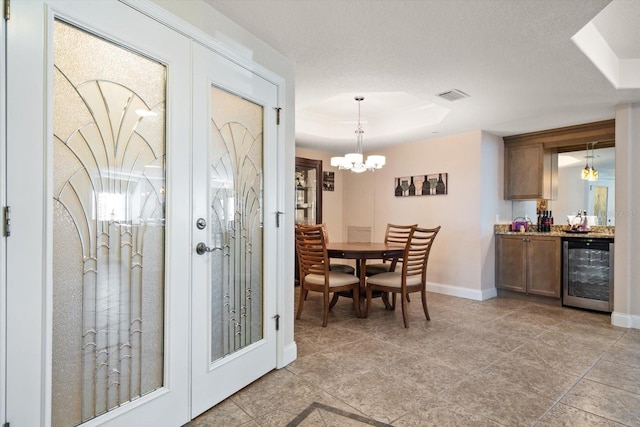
x,y
421,185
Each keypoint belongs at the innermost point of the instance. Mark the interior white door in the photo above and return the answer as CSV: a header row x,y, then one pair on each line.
x,y
234,204
601,200
99,253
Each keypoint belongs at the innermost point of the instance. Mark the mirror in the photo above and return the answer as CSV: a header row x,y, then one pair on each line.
x,y
574,193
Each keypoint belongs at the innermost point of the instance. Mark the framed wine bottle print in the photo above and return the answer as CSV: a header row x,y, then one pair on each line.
x,y
422,185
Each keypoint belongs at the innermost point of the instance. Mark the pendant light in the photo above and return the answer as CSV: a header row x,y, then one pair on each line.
x,y
354,161
587,170
590,173
593,176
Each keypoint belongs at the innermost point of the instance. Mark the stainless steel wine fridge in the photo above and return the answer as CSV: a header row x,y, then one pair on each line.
x,y
587,274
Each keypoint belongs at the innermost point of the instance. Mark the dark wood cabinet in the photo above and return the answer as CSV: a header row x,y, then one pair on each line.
x,y
529,264
531,172
308,191
531,159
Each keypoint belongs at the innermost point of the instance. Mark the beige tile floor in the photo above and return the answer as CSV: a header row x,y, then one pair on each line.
x,y
500,362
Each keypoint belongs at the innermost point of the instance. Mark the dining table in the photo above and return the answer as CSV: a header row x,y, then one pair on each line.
x,y
361,252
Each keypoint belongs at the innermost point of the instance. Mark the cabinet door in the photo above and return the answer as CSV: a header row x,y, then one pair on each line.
x,y
544,266
510,263
308,191
523,171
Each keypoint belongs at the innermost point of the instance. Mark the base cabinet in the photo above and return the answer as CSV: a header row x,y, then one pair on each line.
x,y
529,264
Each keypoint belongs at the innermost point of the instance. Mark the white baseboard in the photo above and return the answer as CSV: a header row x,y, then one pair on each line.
x,y
456,291
289,354
625,320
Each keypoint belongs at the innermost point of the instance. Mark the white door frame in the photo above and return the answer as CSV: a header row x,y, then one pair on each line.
x,y
3,239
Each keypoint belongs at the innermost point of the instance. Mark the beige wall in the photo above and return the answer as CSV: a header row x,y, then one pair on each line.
x,y
462,259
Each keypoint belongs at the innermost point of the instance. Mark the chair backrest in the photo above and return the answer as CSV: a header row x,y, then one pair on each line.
x,y
416,253
325,230
312,250
398,234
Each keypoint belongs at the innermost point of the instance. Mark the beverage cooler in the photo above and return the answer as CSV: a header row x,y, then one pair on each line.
x,y
587,273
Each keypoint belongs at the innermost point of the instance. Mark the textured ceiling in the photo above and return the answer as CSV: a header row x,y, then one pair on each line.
x,y
514,58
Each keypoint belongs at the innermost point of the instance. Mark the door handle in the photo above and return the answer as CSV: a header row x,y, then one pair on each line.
x,y
202,248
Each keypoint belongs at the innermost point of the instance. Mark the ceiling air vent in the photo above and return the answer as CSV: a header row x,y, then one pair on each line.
x,y
453,95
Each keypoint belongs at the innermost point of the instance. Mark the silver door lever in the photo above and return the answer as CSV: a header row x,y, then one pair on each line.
x,y
202,248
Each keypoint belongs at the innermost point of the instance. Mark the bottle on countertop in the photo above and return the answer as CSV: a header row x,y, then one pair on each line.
x,y
539,222
584,224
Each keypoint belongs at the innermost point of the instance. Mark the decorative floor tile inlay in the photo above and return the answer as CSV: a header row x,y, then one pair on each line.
x,y
319,407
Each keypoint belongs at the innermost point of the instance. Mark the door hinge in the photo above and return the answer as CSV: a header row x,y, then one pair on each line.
x,y
277,114
7,9
277,317
7,221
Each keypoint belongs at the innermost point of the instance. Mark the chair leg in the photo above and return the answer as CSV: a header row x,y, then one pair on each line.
x,y
424,303
334,300
303,294
393,301
403,299
385,300
408,298
325,317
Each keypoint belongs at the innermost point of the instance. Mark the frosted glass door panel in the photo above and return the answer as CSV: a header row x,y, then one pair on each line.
x,y
236,218
108,226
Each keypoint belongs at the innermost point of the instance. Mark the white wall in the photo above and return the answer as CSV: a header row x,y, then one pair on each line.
x,y
627,244
493,207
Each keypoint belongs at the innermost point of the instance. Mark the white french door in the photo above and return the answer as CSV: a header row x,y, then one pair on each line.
x,y
235,196
129,146
98,140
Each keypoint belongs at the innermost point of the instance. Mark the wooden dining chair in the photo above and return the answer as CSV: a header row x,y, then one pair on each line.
x,y
313,262
333,266
413,275
395,234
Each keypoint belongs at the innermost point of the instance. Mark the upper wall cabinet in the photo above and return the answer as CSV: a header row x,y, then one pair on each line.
x,y
531,172
531,159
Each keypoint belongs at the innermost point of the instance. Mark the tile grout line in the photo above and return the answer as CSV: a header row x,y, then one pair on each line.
x,y
580,378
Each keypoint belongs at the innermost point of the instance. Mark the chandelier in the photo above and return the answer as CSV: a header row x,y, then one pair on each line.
x,y
354,161
589,172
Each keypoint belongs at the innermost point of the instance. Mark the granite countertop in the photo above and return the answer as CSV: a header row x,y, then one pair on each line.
x,y
597,231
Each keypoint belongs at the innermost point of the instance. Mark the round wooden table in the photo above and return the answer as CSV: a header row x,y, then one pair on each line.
x,y
363,252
